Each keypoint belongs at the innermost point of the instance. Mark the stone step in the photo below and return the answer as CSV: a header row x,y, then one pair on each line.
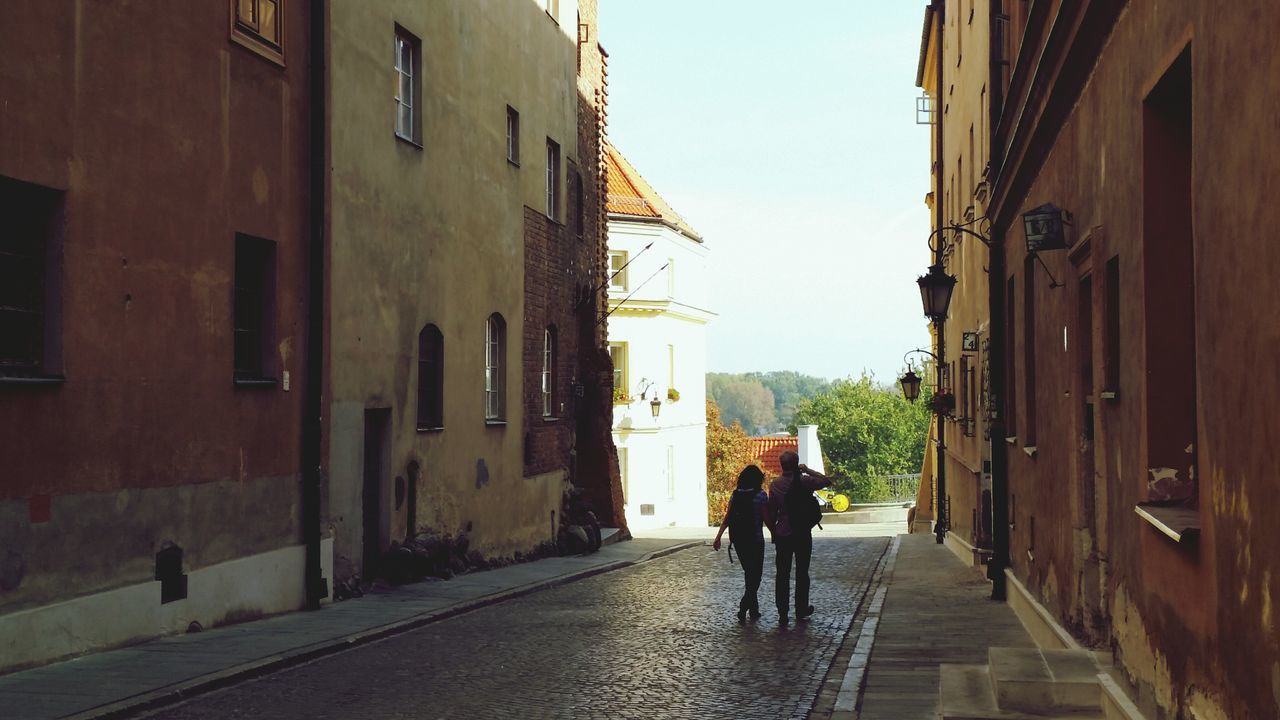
x,y
966,693
1045,681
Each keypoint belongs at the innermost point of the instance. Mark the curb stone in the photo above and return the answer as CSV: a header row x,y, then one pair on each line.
x,y
188,689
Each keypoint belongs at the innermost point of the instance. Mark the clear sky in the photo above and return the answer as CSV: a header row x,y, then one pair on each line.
x,y
785,134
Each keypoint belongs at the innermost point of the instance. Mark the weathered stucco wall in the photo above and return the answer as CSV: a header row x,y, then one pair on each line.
x,y
164,149
1194,625
434,234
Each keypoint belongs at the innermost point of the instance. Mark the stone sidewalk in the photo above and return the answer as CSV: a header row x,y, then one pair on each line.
x,y
927,608
129,680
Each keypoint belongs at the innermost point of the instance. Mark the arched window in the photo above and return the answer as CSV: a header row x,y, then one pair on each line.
x,y
549,371
430,378
495,354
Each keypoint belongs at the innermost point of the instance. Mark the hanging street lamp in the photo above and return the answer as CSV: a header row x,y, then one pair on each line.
x,y
655,407
935,292
910,386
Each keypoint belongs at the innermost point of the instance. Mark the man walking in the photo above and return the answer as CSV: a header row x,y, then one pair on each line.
x,y
792,533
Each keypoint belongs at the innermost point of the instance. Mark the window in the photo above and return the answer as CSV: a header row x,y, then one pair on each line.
x,y
259,26
408,86
553,179
549,372
553,9
430,378
254,308
964,389
1010,355
495,349
618,356
1169,284
30,280
513,136
671,278
578,208
618,271
1029,350
1111,339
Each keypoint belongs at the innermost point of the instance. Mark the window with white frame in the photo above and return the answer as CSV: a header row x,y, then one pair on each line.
x,y
513,136
553,179
549,372
618,271
625,476
618,356
408,120
671,278
553,9
495,347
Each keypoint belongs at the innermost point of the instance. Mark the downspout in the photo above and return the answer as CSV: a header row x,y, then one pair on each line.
x,y
316,585
940,502
995,359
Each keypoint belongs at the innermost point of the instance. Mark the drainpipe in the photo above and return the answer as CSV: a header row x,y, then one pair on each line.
x,y
996,300
316,585
940,502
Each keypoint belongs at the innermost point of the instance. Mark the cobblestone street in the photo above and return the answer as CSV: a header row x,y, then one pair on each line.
x,y
655,641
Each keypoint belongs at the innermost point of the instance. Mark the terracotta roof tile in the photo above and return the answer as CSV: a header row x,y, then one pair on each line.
x,y
769,449
629,194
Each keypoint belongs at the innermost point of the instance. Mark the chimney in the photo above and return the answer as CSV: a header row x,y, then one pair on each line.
x,y
808,448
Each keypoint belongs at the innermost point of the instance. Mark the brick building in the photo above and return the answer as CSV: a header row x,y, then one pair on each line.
x,y
1134,360
153,265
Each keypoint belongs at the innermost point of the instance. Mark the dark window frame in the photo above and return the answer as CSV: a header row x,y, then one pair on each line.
x,y
253,311
430,379
246,20
513,136
31,277
495,370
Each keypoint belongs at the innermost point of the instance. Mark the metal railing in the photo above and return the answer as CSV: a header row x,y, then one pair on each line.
x,y
903,487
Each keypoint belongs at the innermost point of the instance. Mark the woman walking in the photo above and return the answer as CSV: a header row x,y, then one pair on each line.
x,y
745,517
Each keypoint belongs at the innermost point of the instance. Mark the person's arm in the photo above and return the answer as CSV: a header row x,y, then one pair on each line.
x,y
823,480
767,513
723,524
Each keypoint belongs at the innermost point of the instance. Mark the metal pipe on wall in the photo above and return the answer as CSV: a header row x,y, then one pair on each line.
x,y
316,585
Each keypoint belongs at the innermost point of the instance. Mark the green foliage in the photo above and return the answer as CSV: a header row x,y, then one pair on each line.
x,y
728,451
787,386
867,431
747,402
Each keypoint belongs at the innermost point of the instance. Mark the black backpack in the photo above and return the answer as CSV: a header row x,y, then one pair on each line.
x,y
802,506
742,518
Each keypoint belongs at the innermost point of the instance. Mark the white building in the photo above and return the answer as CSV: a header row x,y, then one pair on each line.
x,y
658,302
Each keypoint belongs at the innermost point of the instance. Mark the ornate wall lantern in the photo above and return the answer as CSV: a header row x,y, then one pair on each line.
x,y
910,385
935,292
1045,228
655,407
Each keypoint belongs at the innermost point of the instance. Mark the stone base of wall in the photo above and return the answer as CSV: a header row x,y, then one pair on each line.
x,y
234,591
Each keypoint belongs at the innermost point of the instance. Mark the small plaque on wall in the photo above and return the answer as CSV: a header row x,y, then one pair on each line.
x,y
969,342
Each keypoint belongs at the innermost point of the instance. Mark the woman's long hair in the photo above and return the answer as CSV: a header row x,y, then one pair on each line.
x,y
751,478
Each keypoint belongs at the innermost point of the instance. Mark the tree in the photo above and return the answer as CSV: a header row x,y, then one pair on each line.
x,y
729,450
747,402
867,431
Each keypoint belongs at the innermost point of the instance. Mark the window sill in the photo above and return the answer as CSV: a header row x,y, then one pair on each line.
x,y
549,419
1110,395
409,141
513,163
251,383
32,380
495,423
1030,450
1011,440
553,220
1178,522
434,429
